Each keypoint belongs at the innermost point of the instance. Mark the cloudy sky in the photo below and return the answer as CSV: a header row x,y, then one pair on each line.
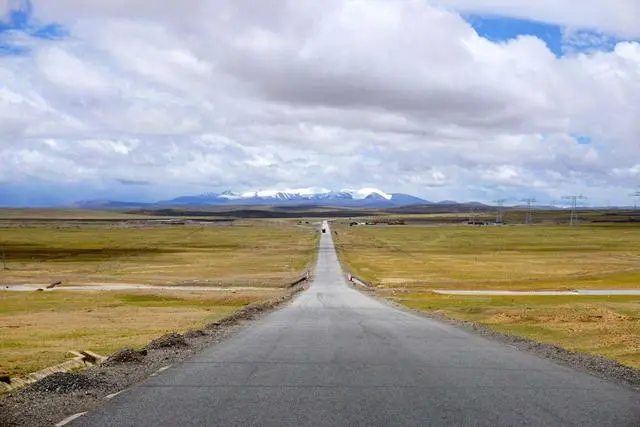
x,y
444,99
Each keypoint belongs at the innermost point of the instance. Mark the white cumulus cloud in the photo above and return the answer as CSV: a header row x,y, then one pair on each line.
x,y
399,95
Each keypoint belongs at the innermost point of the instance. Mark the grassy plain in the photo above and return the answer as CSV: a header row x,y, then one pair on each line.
x,y
37,329
512,257
406,263
255,253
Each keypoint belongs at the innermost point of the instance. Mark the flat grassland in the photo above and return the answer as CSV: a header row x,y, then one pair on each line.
x,y
406,263
499,258
251,253
37,329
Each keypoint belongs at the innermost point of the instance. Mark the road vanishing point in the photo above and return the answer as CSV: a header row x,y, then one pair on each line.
x,y
337,357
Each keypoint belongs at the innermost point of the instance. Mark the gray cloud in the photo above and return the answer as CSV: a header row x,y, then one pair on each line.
x,y
133,182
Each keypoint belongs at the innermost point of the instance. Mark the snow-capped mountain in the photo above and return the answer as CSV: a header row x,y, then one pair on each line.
x,y
369,197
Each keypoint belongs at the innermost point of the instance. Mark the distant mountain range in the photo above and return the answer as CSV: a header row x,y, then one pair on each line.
x,y
303,197
363,198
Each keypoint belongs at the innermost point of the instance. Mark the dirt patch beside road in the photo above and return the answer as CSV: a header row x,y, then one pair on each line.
x,y
126,355
171,340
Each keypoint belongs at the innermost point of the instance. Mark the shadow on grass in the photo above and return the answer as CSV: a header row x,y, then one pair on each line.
x,y
34,253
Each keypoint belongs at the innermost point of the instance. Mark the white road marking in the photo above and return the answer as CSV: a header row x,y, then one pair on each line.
x,y
161,370
112,395
69,419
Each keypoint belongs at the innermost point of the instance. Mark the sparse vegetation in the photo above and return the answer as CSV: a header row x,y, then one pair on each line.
x,y
37,329
258,253
406,263
514,258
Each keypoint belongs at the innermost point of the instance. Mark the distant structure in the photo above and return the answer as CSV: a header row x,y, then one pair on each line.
x,y
574,207
472,216
500,210
529,218
636,197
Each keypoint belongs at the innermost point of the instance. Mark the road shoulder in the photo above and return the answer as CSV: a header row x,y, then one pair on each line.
x,y
597,366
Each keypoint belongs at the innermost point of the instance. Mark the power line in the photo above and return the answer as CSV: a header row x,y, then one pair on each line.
x,y
472,216
636,197
529,218
500,210
574,207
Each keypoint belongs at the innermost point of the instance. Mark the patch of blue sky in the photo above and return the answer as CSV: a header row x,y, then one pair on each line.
x,y
8,48
20,22
560,40
502,29
583,139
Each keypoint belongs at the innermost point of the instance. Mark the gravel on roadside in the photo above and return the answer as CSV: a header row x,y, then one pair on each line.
x,y
64,382
59,396
126,355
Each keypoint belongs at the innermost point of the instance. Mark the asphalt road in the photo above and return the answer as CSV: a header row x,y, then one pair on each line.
x,y
336,357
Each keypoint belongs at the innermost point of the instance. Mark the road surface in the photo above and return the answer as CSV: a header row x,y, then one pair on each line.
x,y
336,357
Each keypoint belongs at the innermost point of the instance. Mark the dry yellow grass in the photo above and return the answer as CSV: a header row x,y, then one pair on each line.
x,y
516,258
38,329
258,253
406,262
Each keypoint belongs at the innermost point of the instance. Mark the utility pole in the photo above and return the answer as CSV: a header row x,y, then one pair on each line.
x,y
529,218
574,207
4,261
636,197
557,205
500,210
